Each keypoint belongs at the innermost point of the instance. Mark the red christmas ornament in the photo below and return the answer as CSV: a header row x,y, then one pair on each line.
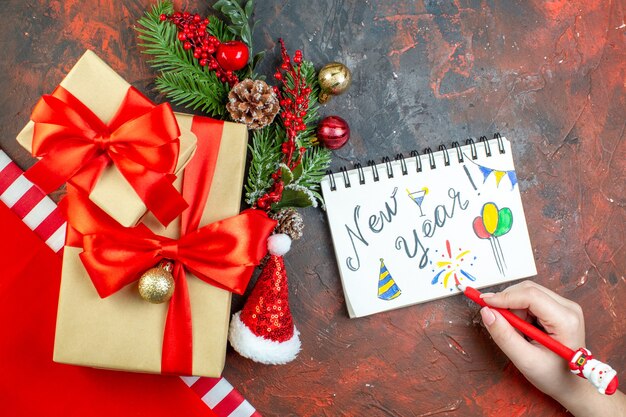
x,y
333,132
232,55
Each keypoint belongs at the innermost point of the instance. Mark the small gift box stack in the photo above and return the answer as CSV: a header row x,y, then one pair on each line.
x,y
155,242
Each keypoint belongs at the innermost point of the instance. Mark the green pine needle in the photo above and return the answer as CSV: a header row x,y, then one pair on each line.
x,y
219,29
266,155
316,159
315,162
181,79
306,138
207,93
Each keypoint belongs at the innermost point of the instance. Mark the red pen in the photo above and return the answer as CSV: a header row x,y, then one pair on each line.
x,y
581,361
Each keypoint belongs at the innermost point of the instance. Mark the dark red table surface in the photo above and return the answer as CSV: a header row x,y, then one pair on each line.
x,y
551,76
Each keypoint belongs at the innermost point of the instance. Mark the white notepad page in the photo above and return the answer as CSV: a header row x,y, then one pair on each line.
x,y
407,237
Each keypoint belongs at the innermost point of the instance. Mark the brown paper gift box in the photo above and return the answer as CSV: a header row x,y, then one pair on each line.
x,y
125,332
101,89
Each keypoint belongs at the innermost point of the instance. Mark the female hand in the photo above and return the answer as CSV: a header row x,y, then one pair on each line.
x,y
563,320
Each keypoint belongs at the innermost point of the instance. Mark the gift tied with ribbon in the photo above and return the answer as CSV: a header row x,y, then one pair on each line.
x,y
223,253
141,140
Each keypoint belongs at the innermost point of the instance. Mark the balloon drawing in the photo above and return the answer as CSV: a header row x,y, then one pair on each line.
x,y
451,267
491,224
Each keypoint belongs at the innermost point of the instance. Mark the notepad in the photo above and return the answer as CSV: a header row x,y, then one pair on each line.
x,y
405,231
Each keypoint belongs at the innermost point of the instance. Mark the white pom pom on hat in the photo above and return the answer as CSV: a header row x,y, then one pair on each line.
x,y
278,244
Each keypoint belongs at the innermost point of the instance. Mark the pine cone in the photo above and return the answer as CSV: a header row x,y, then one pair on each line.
x,y
290,222
253,102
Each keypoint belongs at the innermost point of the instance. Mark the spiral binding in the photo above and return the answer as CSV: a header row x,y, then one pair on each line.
x,y
400,157
359,169
387,163
459,154
418,161
371,164
346,177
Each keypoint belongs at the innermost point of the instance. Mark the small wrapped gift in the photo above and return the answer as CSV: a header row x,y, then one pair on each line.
x,y
98,132
103,321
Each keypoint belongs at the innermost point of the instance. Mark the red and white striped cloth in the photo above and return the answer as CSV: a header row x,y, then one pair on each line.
x,y
26,200
43,217
221,397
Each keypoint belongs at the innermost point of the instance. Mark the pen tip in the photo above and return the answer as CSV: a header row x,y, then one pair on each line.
x,y
461,286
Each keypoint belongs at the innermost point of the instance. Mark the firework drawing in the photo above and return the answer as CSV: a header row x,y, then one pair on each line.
x,y
452,267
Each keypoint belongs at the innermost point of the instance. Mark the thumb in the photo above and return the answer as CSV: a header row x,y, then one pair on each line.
x,y
508,339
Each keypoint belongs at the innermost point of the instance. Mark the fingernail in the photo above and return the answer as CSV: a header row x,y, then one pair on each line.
x,y
487,315
487,294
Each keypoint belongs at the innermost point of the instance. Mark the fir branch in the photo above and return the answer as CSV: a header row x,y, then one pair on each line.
x,y
310,75
306,138
315,162
311,117
160,40
266,155
181,79
207,94
220,30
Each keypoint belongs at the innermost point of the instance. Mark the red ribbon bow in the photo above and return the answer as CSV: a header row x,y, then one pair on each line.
x,y
223,253
141,140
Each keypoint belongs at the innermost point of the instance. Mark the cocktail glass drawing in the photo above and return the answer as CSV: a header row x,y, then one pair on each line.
x,y
418,198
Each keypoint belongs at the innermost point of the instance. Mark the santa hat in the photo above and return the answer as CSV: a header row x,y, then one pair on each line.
x,y
263,330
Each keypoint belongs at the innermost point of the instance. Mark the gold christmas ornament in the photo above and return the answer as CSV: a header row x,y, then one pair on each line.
x,y
156,285
334,79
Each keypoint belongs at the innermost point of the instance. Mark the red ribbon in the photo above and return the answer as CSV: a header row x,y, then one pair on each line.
x,y
223,253
141,140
